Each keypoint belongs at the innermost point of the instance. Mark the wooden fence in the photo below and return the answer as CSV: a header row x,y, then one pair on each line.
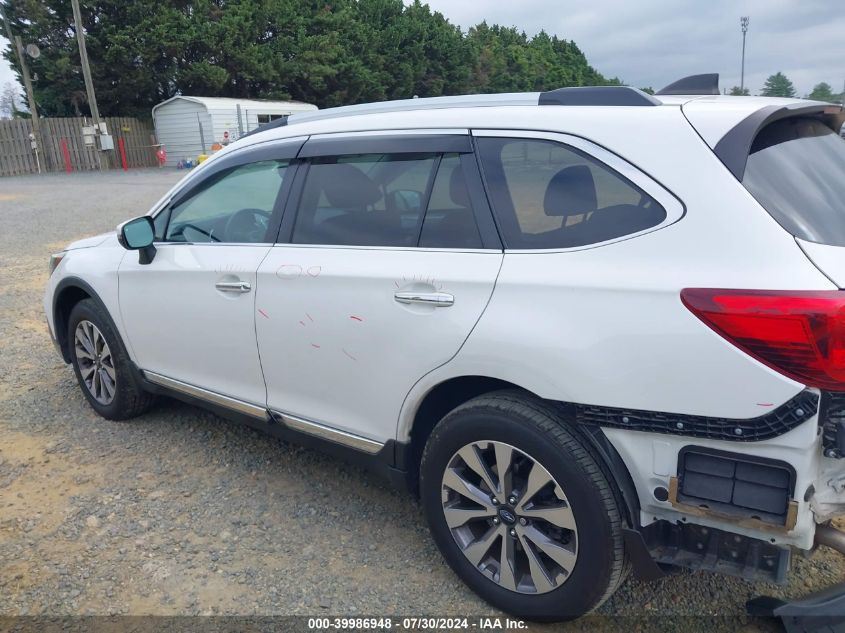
x,y
17,156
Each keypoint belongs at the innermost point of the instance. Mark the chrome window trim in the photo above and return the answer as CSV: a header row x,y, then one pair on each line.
x,y
674,208
228,402
328,433
415,249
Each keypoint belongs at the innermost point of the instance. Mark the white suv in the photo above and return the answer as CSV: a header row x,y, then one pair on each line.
x,y
594,329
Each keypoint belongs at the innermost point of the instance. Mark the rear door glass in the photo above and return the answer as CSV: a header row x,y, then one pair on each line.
x,y
796,171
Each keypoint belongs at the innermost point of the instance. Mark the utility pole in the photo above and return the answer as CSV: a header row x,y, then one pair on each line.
x,y
27,82
743,23
86,72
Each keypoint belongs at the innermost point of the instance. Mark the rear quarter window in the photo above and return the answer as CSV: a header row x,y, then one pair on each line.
x,y
549,195
796,171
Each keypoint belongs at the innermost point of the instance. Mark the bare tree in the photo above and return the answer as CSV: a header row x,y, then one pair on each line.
x,y
9,101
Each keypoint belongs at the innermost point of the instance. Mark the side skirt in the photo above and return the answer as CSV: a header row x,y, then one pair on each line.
x,y
386,460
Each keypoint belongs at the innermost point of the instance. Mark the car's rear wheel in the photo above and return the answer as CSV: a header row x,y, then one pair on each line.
x,y
520,508
102,366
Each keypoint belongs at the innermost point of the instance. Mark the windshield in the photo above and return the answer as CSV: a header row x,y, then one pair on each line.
x,y
796,170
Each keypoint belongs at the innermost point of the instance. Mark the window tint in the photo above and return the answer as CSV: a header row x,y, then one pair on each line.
x,y
364,200
234,207
449,221
549,195
796,170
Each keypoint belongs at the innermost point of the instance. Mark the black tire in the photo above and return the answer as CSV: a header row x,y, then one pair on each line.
x,y
130,400
536,429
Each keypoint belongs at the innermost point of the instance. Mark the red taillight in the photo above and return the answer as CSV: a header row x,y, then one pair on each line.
x,y
800,334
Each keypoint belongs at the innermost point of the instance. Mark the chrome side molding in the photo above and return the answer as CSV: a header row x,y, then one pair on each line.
x,y
327,433
234,404
292,422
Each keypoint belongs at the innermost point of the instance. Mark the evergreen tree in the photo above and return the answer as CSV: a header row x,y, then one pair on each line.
x,y
327,52
823,92
736,91
778,85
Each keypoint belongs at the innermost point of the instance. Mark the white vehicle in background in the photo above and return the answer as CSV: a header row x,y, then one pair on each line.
x,y
594,329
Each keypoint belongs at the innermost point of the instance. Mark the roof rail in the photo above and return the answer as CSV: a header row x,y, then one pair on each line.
x,y
706,84
597,96
580,96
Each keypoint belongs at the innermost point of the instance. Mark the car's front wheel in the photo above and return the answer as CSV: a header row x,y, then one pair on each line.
x,y
101,364
520,508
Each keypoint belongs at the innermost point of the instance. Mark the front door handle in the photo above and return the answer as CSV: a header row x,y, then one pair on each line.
x,y
233,286
436,299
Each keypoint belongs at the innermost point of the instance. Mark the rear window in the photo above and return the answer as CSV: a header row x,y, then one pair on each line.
x,y
796,170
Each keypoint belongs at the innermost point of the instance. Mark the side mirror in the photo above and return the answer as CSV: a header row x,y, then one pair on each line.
x,y
138,234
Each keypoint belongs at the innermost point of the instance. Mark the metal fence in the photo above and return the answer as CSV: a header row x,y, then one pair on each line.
x,y
63,146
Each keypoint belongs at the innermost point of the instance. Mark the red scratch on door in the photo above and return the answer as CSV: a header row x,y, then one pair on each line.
x,y
314,345
302,323
309,317
262,313
356,318
764,404
348,354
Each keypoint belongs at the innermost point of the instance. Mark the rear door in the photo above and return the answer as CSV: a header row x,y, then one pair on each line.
x,y
387,258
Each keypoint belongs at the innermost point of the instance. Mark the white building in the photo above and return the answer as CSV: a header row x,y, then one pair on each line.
x,y
188,126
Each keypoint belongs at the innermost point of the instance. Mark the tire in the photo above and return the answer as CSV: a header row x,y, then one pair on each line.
x,y
128,399
535,434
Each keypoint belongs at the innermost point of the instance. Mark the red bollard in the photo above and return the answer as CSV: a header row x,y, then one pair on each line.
x,y
66,154
122,148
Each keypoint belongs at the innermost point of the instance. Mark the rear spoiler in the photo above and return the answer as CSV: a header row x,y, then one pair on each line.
x,y
734,147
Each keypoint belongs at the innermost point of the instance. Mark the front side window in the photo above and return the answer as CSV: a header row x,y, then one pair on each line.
x,y
549,195
235,207
364,200
796,170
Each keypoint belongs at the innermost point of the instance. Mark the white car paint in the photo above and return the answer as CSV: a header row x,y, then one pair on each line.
x,y
339,349
182,327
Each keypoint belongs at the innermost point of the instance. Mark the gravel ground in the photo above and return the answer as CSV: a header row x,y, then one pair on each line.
x,y
182,513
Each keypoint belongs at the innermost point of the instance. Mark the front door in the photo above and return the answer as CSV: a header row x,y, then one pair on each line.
x,y
189,314
384,277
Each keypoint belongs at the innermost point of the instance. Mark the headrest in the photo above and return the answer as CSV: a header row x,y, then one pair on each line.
x,y
570,192
458,187
347,187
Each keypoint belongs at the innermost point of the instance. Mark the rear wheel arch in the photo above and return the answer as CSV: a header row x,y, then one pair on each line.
x,y
450,394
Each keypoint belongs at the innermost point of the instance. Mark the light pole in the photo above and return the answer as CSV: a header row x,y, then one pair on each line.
x,y
743,23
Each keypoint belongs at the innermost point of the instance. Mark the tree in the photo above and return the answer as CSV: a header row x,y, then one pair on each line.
x,y
823,92
778,85
9,101
736,91
327,52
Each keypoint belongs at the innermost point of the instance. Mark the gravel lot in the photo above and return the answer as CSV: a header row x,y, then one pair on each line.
x,y
180,512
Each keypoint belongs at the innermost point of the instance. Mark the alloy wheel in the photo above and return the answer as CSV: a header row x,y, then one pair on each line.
x,y
509,517
96,365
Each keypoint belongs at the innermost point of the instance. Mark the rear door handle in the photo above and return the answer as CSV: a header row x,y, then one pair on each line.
x,y
233,286
436,299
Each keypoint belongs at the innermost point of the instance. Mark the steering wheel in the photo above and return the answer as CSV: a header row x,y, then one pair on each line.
x,y
247,226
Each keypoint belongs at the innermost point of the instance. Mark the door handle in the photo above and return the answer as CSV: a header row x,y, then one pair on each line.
x,y
436,299
233,286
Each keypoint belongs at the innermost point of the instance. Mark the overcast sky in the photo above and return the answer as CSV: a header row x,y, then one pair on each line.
x,y
653,42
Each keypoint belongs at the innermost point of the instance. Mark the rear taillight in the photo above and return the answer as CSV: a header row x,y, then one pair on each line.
x,y
799,333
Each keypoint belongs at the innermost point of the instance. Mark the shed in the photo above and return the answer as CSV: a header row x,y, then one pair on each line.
x,y
188,126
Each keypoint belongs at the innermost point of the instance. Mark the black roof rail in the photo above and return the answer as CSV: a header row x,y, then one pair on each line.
x,y
706,84
597,96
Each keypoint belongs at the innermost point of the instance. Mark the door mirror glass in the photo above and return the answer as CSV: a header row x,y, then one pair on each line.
x,y
137,233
